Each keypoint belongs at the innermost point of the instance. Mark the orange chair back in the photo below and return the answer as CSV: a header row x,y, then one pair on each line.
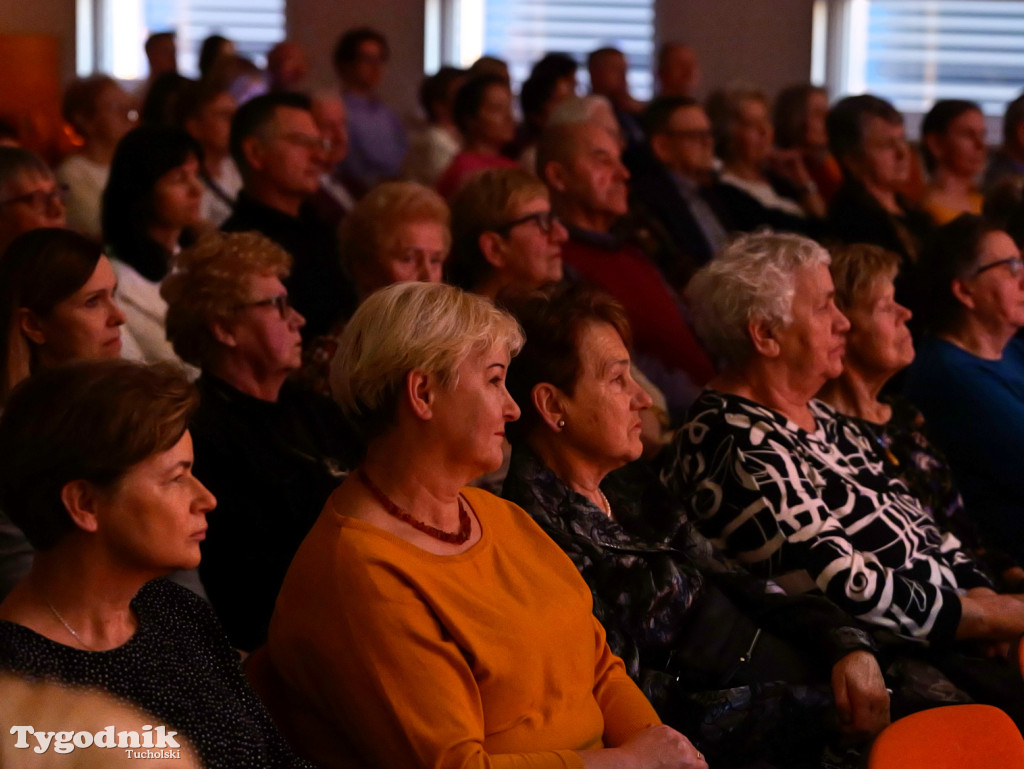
x,y
951,737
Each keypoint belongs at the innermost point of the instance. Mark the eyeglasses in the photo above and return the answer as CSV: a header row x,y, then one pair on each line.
x,y
280,303
545,220
1015,263
40,200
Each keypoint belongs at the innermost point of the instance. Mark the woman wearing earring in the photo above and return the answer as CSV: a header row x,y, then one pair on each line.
x,y
424,624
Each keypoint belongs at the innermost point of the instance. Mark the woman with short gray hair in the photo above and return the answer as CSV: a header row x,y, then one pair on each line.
x,y
423,624
801,494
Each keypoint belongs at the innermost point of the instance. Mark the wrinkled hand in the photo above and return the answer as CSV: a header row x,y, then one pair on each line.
x,y
860,694
662,747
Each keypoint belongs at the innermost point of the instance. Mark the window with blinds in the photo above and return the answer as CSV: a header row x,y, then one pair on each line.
x,y
121,28
914,52
522,31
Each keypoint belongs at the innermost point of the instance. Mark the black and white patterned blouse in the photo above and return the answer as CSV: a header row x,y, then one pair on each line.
x,y
178,666
817,509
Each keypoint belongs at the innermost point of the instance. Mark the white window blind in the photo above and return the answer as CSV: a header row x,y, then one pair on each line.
x,y
121,28
914,52
522,31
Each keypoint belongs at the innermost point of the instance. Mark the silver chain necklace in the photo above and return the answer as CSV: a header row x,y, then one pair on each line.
x,y
68,627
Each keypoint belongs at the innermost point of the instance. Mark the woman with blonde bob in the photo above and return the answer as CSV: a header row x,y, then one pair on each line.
x,y
800,493
424,624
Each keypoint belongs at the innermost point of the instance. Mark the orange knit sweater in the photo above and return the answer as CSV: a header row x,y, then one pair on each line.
x,y
389,656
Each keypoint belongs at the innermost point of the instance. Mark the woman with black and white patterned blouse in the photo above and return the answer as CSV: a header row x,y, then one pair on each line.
x,y
797,491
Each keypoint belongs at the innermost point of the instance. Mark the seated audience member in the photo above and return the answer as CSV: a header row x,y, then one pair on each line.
x,y
377,137
490,65
679,190
867,138
659,595
1006,164
608,70
332,199
205,110
56,305
97,472
801,494
162,56
800,112
437,144
678,70
150,205
424,623
287,67
955,154
278,149
269,451
483,113
968,377
504,236
101,112
160,105
878,346
29,195
744,136
399,232
213,49
552,80
580,165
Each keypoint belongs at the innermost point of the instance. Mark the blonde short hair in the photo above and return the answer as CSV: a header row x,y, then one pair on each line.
x,y
429,326
753,277
206,283
856,267
371,228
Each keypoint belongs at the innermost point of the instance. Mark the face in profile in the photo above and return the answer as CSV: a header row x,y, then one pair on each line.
x,y
879,341
84,326
470,418
602,416
813,343
752,132
177,196
962,148
594,178
494,123
884,160
265,332
292,157
994,291
31,200
529,253
154,516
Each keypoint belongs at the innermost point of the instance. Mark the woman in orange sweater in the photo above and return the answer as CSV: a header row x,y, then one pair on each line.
x,y
423,624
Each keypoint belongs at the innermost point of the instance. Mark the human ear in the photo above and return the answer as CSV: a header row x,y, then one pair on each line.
x,y
659,147
762,335
554,174
223,334
80,500
492,246
252,151
419,393
960,290
29,325
548,401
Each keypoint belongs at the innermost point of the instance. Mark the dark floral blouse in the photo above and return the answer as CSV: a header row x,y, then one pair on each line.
x,y
685,622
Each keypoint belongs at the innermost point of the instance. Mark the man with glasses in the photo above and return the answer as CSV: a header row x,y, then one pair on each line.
x,y
580,162
281,154
30,197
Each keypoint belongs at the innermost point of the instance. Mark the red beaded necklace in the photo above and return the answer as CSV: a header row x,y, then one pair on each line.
x,y
456,538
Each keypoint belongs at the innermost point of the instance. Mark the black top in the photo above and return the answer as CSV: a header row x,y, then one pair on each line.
x,y
271,467
179,666
317,285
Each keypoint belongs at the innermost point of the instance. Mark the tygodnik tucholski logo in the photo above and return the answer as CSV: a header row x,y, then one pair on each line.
x,y
150,743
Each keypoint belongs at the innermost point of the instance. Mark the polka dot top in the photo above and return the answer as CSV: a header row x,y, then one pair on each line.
x,y
179,666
